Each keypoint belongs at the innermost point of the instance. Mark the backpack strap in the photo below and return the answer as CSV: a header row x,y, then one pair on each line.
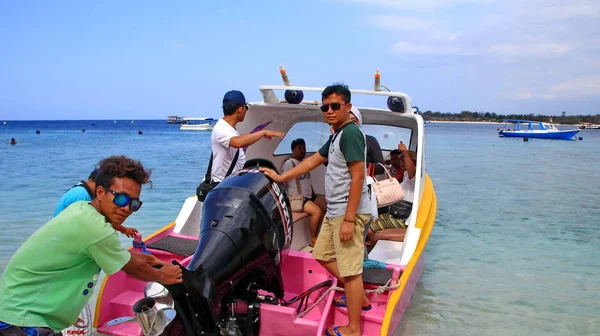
x,y
233,163
87,188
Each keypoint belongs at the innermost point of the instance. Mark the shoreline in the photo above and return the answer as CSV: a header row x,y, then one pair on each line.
x,y
497,123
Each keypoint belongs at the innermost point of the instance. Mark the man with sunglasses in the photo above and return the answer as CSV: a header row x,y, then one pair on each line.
x,y
340,246
52,275
226,141
84,191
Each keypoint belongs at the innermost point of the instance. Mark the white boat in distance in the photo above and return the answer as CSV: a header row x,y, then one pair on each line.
x,y
197,124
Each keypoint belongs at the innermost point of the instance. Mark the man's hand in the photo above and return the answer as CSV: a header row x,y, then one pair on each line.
x,y
171,274
129,232
346,231
270,134
402,147
271,174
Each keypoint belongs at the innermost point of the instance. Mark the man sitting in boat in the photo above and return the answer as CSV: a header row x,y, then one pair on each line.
x,y
52,275
227,143
313,205
340,245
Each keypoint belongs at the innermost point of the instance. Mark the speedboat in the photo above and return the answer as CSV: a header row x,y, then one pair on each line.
x,y
535,129
197,124
174,120
247,266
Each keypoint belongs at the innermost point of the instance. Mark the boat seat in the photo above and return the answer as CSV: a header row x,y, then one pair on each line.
x,y
387,251
296,216
177,245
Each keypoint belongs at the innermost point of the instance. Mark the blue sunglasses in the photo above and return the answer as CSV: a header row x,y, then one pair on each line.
x,y
122,200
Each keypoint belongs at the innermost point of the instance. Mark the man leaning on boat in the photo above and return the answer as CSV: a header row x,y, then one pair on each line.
x,y
52,275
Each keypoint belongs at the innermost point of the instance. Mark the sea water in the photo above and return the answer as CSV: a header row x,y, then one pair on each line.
x,y
515,249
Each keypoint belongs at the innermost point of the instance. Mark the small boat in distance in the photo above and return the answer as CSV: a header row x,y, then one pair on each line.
x,y
535,129
197,124
174,119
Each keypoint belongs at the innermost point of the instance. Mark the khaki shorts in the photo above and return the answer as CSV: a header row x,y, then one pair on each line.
x,y
349,255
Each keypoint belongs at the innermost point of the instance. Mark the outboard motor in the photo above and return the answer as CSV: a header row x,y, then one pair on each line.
x,y
246,224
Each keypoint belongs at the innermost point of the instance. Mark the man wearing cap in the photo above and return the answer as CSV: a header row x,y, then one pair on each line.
x,y
408,180
226,142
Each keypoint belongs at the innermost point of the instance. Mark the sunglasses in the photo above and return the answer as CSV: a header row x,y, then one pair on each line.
x,y
122,200
334,107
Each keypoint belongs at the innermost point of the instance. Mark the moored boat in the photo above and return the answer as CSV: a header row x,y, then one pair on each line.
x,y
197,124
247,266
535,129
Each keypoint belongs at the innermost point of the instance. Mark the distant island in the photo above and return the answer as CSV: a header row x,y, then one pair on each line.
x,y
469,116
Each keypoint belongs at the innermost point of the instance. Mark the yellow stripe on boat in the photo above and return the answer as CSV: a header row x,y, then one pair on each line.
x,y
425,220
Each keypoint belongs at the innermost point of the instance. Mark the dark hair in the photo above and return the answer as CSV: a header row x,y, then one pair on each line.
x,y
338,88
230,109
121,166
94,173
297,142
395,152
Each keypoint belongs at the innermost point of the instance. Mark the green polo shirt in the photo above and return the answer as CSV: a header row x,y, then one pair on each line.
x,y
346,145
52,275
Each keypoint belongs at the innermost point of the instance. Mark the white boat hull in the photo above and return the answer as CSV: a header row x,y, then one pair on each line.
x,y
196,127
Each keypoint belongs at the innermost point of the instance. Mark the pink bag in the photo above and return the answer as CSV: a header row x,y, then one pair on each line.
x,y
387,191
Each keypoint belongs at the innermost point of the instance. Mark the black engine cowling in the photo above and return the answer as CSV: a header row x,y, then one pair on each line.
x,y
246,224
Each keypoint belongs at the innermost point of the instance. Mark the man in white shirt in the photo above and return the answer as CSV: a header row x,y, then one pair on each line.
x,y
226,141
313,205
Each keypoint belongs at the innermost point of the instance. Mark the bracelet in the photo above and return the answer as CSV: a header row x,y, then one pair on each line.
x,y
346,220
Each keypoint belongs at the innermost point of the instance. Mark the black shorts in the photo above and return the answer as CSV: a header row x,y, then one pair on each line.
x,y
312,199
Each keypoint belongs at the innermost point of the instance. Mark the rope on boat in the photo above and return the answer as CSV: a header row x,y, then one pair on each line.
x,y
378,290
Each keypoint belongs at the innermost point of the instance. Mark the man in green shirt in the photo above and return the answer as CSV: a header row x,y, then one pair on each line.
x,y
52,275
340,246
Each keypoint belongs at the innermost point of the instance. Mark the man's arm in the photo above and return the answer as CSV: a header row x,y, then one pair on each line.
x,y
357,175
304,167
111,258
140,269
246,140
408,162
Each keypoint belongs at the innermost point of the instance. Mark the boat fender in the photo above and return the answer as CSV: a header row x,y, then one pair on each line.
x,y
580,138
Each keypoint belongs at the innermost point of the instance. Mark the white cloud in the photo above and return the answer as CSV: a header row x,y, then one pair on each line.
x,y
551,46
419,4
588,86
391,22
429,49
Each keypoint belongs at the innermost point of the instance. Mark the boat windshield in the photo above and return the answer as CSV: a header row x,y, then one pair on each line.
x,y
315,134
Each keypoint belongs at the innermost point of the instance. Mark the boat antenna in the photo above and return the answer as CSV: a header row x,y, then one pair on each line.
x,y
378,86
286,80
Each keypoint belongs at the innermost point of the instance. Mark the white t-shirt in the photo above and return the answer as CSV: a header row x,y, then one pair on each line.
x,y
291,185
223,154
408,186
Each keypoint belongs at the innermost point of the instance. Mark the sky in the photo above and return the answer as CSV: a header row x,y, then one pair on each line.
x,y
149,59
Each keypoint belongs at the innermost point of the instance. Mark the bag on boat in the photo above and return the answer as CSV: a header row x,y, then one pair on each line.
x,y
387,191
401,210
207,184
297,200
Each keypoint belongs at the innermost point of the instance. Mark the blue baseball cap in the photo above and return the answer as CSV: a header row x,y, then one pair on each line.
x,y
234,97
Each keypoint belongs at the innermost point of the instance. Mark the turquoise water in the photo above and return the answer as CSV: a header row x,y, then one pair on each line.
x,y
515,249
